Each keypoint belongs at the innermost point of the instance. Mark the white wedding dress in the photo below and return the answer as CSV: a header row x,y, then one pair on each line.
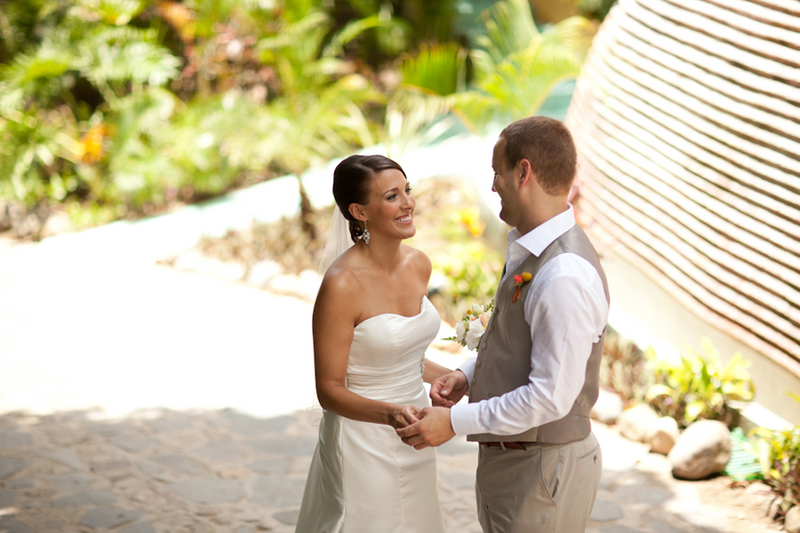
x,y
363,478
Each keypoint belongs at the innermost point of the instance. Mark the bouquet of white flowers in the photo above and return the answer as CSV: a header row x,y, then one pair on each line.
x,y
470,328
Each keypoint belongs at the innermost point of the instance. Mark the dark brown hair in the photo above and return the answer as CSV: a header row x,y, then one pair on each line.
x,y
351,181
548,145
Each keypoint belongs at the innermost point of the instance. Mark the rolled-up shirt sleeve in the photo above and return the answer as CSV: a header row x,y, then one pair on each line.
x,y
567,311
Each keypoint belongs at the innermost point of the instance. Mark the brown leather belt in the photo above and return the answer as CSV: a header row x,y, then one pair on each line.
x,y
509,445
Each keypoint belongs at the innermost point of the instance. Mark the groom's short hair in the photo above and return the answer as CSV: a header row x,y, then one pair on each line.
x,y
549,147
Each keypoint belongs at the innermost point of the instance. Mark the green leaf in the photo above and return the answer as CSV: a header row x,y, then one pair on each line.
x,y
658,390
437,69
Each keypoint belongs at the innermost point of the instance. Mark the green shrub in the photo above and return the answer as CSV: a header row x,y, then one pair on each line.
x,y
779,452
698,386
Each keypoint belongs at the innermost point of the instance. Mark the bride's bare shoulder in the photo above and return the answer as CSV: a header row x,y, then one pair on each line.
x,y
341,279
418,260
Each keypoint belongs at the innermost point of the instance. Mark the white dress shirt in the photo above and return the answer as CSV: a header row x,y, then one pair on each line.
x,y
567,311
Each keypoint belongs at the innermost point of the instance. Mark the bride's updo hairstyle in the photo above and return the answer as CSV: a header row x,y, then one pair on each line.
x,y
351,181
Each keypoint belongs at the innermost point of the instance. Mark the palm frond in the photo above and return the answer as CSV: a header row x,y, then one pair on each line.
x,y
353,30
439,69
509,28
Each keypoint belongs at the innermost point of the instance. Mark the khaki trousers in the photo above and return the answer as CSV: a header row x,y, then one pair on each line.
x,y
548,488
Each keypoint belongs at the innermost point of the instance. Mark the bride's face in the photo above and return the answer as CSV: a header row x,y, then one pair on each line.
x,y
390,209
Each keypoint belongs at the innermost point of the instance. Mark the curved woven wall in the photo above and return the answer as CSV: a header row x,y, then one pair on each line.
x,y
687,121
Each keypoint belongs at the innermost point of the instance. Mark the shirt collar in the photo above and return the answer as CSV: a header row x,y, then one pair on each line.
x,y
540,237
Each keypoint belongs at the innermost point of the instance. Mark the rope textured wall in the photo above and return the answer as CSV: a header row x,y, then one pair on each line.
x,y
687,121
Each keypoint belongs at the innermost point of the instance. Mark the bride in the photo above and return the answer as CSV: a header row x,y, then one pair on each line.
x,y
372,323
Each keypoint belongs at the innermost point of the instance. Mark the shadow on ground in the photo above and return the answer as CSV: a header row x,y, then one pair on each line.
x,y
224,471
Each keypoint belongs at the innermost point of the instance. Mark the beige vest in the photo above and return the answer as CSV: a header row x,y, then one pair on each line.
x,y
504,357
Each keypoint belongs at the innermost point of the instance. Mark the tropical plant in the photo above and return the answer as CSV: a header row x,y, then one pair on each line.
x,y
515,66
118,106
318,115
698,386
595,9
780,462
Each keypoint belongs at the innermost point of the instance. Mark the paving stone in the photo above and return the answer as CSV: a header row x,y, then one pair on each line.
x,y
70,482
654,495
149,468
110,466
13,439
273,465
62,457
288,517
7,498
132,442
181,463
661,527
55,524
88,497
167,425
109,517
605,511
139,527
619,529
278,492
221,451
209,490
11,465
108,429
10,524
457,480
21,483
245,529
247,425
281,445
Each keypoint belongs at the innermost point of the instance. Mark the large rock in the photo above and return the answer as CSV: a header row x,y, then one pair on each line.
x,y
634,423
608,407
663,435
704,448
792,523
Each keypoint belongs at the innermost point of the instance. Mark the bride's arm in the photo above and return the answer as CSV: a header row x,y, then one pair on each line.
x,y
433,371
333,322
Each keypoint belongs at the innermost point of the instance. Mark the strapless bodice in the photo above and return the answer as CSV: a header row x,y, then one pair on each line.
x,y
386,355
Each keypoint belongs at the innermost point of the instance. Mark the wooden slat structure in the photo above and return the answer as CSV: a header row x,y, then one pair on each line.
x,y
687,121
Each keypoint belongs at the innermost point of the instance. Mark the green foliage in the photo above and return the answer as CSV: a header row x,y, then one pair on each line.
x,y
122,106
698,386
516,66
779,453
595,9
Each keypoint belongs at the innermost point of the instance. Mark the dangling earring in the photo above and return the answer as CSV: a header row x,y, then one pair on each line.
x,y
364,234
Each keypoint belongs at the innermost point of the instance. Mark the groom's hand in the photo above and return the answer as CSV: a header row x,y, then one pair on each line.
x,y
447,390
433,428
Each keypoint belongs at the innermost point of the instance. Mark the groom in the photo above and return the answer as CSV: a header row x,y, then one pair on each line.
x,y
535,380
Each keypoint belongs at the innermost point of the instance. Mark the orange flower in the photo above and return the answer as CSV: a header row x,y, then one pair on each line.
x,y
519,281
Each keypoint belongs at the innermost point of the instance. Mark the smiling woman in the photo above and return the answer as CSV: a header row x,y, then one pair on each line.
x,y
372,324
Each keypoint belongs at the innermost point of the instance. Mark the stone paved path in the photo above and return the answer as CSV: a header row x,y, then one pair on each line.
x,y
224,471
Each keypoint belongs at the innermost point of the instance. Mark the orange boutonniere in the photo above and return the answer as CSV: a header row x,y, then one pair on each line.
x,y
519,281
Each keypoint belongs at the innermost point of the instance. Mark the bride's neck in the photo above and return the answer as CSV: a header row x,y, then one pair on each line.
x,y
384,254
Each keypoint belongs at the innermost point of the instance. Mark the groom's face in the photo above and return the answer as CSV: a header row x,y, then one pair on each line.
x,y
505,184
